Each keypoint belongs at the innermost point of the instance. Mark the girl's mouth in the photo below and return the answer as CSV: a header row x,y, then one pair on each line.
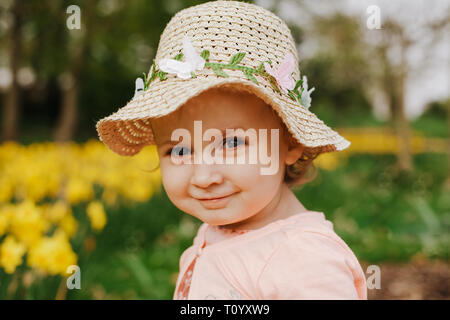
x,y
216,203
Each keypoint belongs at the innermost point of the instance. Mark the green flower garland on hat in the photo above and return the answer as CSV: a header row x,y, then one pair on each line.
x,y
280,79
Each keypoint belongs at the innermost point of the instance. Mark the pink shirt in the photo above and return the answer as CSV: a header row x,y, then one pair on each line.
x,y
300,257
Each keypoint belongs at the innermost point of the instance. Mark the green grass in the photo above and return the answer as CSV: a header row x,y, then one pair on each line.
x,y
430,127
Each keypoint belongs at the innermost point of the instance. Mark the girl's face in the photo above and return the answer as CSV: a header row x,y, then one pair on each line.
x,y
239,190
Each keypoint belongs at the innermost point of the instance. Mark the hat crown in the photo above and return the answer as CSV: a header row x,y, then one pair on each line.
x,y
222,31
225,28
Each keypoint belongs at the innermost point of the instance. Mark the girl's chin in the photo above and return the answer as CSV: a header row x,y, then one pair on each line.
x,y
217,220
221,219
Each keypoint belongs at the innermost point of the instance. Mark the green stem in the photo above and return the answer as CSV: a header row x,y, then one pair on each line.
x,y
235,67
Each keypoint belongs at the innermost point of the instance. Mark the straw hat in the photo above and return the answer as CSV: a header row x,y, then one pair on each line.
x,y
220,43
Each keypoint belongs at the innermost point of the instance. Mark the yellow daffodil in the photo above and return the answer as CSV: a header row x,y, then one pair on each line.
x,y
96,214
69,224
52,254
28,223
11,253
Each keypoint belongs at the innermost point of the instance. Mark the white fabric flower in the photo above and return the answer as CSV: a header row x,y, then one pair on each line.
x,y
192,57
139,87
306,95
193,61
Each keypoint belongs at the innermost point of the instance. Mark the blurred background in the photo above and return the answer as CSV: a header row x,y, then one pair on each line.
x,y
381,72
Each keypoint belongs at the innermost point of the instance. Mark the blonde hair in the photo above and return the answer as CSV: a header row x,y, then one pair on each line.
x,y
303,170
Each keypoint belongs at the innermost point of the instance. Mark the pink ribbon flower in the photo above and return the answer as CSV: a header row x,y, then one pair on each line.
x,y
283,74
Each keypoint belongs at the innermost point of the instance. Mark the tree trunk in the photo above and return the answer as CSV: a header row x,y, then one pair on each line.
x,y
402,129
68,118
401,122
11,111
394,86
77,50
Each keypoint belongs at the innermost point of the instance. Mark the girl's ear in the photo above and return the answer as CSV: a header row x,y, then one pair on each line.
x,y
294,151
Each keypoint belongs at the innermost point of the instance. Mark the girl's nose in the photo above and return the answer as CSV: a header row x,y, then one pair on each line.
x,y
205,175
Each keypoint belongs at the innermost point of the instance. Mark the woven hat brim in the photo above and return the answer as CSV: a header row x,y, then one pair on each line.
x,y
128,130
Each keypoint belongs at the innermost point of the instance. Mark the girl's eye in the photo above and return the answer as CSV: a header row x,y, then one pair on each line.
x,y
233,142
178,151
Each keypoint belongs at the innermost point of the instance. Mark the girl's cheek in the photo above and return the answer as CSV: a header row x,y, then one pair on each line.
x,y
174,177
245,176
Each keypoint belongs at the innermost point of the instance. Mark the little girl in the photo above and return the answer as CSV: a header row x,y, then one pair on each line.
x,y
224,90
